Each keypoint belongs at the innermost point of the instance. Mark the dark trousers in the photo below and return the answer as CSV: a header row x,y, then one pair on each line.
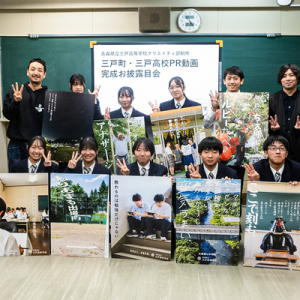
x,y
159,224
16,151
178,167
135,224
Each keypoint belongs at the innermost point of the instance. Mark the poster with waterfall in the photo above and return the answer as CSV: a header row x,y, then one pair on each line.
x,y
207,221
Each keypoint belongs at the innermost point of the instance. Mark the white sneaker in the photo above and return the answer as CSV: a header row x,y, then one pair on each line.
x,y
151,236
162,238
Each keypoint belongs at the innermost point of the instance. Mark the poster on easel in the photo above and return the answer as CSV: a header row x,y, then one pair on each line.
x,y
207,221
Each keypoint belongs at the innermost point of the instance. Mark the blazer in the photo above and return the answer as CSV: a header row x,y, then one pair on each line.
x,y
169,105
223,171
291,171
276,108
22,167
117,114
155,169
98,169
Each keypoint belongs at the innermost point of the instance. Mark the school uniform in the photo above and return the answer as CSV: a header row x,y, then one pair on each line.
x,y
169,105
22,167
154,170
117,114
98,169
291,171
222,172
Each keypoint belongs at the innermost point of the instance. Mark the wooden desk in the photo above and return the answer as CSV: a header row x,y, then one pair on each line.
x,y
21,222
275,255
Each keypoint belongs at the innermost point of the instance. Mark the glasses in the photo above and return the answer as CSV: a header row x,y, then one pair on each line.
x,y
274,149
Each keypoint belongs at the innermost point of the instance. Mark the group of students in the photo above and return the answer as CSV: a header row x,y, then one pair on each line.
x,y
20,213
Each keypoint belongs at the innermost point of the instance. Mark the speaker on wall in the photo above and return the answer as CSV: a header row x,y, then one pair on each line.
x,y
154,19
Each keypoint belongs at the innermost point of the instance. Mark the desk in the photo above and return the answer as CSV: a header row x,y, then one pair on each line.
x,y
23,240
275,255
21,222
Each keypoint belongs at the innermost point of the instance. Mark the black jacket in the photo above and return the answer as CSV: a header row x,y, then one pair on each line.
x,y
155,169
291,171
98,169
117,114
22,167
25,121
223,171
169,105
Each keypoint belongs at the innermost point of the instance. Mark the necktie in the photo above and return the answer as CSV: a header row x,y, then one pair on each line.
x,y
126,114
210,175
33,168
143,171
277,177
178,105
86,170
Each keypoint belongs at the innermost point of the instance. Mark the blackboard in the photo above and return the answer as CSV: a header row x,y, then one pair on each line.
x,y
259,57
43,202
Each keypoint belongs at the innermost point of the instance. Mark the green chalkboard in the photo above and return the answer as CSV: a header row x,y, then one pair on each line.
x,y
259,57
43,202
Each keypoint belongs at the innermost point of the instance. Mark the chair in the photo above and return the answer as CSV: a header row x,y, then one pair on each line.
x,y
9,226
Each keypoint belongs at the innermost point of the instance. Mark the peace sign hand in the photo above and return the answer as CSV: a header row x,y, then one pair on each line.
x,y
107,113
214,100
47,160
123,167
17,93
194,173
252,174
154,107
274,123
74,160
297,126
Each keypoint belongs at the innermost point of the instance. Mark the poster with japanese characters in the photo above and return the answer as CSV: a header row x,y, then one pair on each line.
x,y
242,126
23,198
68,118
272,226
116,138
148,67
78,215
141,217
207,221
176,135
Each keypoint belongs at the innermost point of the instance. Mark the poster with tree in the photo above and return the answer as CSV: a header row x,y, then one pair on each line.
x,y
78,215
242,126
116,138
207,221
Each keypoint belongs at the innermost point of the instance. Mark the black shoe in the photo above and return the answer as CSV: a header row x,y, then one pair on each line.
x,y
142,236
132,234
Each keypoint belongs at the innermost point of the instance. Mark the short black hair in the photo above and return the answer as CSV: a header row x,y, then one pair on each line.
x,y
270,140
286,67
2,207
159,198
178,80
146,142
39,60
210,143
41,140
88,143
136,197
234,70
127,91
77,78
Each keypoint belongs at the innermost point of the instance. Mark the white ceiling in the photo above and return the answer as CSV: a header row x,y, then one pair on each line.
x,y
17,179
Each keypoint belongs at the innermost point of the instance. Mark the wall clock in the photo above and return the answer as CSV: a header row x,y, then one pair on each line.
x,y
189,20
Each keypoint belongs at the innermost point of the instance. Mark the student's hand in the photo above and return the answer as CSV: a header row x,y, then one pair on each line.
x,y
194,173
136,213
123,167
156,215
226,178
297,126
146,213
47,160
154,107
95,92
127,214
74,160
252,174
17,93
21,250
274,123
294,182
214,101
107,113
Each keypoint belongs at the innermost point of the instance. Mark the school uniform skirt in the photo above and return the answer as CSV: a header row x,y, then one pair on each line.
x,y
171,160
188,159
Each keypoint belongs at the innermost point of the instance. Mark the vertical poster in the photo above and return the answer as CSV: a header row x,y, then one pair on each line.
x,y
116,138
68,118
207,221
176,135
242,126
23,199
141,217
79,219
272,228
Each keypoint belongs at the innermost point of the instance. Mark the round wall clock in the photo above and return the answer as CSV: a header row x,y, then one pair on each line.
x,y
189,20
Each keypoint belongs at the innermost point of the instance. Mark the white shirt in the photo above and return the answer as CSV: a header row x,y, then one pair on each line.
x,y
30,164
279,171
8,244
168,150
186,149
129,111
22,215
18,213
214,171
181,102
45,215
164,210
91,167
147,167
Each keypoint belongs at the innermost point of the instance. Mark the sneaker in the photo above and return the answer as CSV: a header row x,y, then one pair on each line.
x,y
162,238
151,236
141,235
132,234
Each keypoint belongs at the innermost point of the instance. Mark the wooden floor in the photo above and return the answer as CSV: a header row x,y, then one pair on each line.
x,y
41,241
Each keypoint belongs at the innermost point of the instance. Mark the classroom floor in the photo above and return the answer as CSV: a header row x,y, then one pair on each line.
x,y
54,277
